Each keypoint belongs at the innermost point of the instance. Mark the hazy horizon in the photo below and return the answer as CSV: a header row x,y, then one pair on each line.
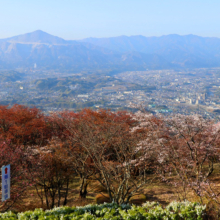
x,y
107,36
72,20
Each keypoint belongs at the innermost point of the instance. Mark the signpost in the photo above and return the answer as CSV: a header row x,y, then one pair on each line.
x,y
6,182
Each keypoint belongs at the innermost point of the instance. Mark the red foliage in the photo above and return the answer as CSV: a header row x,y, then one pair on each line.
x,y
23,125
15,156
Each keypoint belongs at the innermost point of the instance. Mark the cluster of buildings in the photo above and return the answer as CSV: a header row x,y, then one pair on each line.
x,y
159,91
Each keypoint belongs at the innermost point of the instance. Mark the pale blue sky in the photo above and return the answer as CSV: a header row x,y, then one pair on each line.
x,y
77,19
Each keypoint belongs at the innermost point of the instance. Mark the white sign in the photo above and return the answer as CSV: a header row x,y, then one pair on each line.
x,y
6,182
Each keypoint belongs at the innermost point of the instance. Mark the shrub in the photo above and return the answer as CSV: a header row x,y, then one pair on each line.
x,y
174,210
102,198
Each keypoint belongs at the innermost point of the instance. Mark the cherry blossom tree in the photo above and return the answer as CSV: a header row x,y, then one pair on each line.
x,y
187,146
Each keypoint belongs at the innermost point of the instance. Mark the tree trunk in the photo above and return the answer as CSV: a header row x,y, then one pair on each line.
x,y
66,193
83,189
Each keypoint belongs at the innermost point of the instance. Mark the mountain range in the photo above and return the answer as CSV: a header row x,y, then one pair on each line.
x,y
115,53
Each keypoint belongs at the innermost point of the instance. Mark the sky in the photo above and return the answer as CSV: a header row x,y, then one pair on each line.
x,y
78,19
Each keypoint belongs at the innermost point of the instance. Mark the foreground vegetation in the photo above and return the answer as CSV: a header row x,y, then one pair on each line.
x,y
118,156
153,211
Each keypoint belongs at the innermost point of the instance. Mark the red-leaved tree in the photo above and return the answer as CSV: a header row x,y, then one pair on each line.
x,y
20,181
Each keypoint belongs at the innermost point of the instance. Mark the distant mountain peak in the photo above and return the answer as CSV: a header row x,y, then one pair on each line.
x,y
40,31
37,36
123,52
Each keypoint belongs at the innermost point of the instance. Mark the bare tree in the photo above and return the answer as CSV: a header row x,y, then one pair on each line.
x,y
51,174
112,150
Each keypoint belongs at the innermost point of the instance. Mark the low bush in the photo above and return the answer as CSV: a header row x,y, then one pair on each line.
x,y
102,198
153,211
138,199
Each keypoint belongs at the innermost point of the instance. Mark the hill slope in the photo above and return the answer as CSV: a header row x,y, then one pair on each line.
x,y
186,51
117,53
53,52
